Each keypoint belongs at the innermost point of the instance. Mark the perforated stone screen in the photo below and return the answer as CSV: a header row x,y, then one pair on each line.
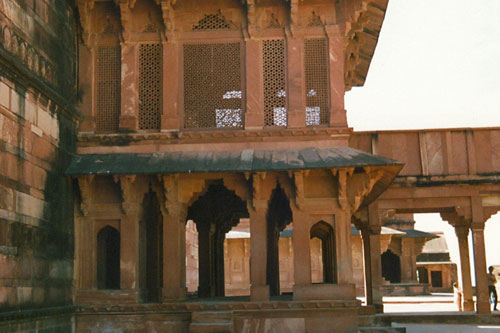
x,y
212,86
108,89
316,70
150,85
275,111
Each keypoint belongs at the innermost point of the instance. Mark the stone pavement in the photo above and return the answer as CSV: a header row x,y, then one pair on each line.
x,y
436,313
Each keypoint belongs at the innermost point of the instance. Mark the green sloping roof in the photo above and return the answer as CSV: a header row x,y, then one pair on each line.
x,y
412,233
248,160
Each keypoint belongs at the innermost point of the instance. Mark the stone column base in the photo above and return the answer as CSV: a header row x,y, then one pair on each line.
x,y
105,296
468,305
259,293
483,307
174,294
324,291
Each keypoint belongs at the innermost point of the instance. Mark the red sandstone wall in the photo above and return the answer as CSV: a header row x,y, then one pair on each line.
x,y
436,152
37,136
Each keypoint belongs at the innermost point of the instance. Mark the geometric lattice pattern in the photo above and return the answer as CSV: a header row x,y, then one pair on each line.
x,y
108,89
150,86
212,22
316,73
212,86
273,52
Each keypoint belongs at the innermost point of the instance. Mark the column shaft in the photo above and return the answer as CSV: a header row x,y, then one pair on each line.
x,y
344,248
373,268
129,90
296,84
338,116
254,114
174,257
258,255
466,283
301,249
170,119
483,305
129,252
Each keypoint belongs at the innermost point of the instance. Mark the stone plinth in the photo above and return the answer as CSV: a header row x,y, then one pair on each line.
x,y
324,291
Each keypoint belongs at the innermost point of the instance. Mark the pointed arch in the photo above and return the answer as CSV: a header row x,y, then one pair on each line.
x,y
325,233
108,258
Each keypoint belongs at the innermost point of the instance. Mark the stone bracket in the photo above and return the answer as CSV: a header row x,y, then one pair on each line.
x,y
85,184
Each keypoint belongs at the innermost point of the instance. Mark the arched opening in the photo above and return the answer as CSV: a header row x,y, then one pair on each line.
x,y
108,258
391,267
422,275
214,214
278,216
151,248
324,232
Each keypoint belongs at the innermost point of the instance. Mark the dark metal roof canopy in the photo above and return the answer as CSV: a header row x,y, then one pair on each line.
x,y
247,160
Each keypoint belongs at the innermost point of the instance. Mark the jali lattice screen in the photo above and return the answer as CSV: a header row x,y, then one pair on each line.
x,y
212,86
150,85
108,88
316,68
275,112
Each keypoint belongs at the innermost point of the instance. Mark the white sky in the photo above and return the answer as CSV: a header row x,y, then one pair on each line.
x,y
437,65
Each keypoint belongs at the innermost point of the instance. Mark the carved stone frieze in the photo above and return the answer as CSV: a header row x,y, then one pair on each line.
x,y
13,43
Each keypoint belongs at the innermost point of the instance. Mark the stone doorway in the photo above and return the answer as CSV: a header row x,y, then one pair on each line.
x,y
108,258
323,232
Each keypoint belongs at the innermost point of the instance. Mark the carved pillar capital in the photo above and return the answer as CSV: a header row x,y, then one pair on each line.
x,y
85,184
130,206
85,8
462,231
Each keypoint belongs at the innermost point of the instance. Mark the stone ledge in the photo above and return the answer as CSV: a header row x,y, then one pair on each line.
x,y
21,314
188,136
208,305
8,250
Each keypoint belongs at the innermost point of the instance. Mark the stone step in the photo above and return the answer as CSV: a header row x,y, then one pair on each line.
x,y
381,329
211,327
373,321
212,317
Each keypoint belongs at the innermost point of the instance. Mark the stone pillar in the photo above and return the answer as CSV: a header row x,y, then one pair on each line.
x,y
482,294
86,74
129,88
85,254
174,252
336,44
254,114
206,259
170,119
129,250
408,261
344,247
373,267
301,249
296,83
465,283
259,290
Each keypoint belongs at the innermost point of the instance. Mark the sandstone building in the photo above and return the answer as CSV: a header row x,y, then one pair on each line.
x,y
121,120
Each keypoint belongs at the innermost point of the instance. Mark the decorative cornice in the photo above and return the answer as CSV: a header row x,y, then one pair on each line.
x,y
362,34
202,136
